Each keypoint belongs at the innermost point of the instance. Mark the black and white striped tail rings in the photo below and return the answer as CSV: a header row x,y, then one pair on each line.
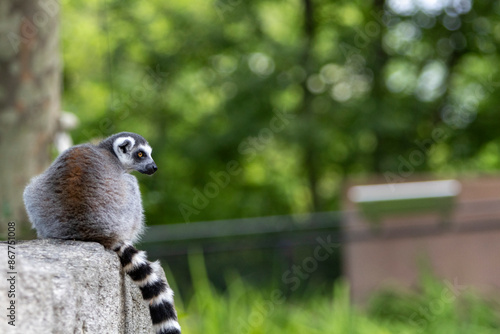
x,y
154,288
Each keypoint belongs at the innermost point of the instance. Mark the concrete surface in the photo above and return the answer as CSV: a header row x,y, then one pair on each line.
x,y
68,287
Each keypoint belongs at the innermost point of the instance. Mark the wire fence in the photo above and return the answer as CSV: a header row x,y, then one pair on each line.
x,y
302,229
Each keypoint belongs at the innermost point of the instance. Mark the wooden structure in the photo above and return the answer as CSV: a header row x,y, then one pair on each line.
x,y
464,251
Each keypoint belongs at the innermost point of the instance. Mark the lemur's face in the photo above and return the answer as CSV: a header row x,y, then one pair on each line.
x,y
134,155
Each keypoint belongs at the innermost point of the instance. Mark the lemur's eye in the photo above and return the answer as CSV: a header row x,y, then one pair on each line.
x,y
140,154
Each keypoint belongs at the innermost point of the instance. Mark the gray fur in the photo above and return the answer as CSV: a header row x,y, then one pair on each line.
x,y
87,194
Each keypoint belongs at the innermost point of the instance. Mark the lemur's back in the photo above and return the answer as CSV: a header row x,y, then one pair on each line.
x,y
82,196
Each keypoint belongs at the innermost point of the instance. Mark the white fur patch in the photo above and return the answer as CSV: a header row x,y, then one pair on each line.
x,y
156,266
138,259
147,149
125,159
122,247
167,296
151,278
167,324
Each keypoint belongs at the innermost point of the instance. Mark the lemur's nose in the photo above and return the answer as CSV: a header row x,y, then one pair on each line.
x,y
151,168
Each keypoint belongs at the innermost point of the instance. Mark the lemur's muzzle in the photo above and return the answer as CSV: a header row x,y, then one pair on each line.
x,y
151,168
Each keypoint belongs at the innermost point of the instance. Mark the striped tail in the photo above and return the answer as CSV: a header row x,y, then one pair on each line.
x,y
154,288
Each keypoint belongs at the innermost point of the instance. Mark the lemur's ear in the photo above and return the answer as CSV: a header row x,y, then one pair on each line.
x,y
125,146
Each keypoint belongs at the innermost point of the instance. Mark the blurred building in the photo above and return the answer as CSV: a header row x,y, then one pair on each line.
x,y
460,246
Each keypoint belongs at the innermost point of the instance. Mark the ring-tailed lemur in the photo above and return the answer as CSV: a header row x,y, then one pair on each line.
x,y
88,194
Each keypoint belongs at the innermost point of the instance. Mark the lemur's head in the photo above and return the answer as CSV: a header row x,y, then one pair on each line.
x,y
132,150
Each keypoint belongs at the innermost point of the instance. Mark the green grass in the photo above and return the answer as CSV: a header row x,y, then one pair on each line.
x,y
243,309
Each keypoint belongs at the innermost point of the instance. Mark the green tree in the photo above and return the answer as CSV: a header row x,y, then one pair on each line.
x,y
366,87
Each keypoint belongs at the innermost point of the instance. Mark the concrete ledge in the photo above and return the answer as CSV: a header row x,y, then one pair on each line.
x,y
69,287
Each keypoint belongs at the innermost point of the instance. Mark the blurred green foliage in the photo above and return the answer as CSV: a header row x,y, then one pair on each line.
x,y
361,87
440,307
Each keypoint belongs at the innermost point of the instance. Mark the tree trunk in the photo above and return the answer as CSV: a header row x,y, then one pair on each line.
x,y
310,153
29,99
